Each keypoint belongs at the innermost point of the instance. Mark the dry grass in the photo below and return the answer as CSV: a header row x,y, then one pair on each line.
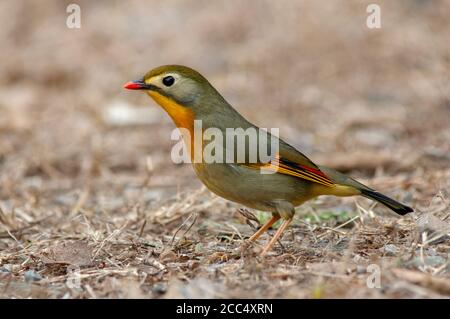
x,y
86,195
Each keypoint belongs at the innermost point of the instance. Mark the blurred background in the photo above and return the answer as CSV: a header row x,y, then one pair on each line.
x,y
371,102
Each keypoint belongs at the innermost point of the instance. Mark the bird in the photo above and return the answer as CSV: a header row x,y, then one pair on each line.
x,y
278,186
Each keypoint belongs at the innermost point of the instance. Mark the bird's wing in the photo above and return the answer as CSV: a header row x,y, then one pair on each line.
x,y
289,161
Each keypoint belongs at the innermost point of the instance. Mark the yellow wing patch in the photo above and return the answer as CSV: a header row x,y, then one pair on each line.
x,y
287,167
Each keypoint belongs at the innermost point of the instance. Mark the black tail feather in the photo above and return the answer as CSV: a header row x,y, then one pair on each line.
x,y
397,207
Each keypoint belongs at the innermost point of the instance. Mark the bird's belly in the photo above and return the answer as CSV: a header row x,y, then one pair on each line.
x,y
251,188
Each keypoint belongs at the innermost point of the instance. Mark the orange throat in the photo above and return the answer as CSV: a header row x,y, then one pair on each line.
x,y
181,116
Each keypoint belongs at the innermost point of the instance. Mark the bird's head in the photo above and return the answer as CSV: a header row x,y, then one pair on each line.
x,y
181,84
181,91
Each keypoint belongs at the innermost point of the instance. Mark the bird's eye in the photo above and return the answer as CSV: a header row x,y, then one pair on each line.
x,y
168,80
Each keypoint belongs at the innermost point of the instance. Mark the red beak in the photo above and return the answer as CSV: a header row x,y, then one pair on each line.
x,y
136,85
132,86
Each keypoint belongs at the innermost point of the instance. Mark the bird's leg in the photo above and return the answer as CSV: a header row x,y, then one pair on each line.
x,y
277,235
265,227
286,210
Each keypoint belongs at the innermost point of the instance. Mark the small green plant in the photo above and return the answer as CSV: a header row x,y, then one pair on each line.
x,y
329,216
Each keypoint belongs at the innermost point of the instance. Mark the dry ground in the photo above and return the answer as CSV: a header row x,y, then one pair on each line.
x,y
92,206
